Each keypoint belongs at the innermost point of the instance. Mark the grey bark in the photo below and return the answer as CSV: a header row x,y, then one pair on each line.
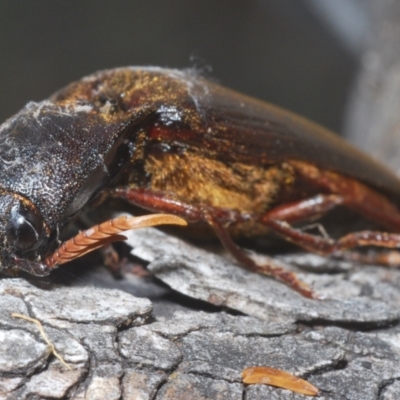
x,y
120,347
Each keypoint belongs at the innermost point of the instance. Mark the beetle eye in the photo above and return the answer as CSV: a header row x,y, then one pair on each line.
x,y
24,227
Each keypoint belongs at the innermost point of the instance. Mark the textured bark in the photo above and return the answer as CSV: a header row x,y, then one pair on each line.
x,y
119,347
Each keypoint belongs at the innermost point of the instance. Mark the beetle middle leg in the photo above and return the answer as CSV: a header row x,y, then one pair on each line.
x,y
216,218
267,268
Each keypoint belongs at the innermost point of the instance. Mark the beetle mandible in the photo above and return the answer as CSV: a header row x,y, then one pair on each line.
x,y
170,141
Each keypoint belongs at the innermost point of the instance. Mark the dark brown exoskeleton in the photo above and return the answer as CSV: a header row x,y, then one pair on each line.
x,y
169,141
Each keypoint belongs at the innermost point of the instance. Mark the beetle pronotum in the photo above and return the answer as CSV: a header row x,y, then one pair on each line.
x,y
171,142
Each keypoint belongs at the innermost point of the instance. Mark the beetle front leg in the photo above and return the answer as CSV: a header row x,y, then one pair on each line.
x,y
215,218
159,202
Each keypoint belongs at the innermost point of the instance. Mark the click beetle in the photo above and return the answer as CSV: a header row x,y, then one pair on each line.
x,y
169,141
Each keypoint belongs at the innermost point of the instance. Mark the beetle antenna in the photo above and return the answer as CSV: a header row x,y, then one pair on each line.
x,y
107,232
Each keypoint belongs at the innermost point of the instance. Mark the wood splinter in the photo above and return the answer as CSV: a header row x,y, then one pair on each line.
x,y
278,378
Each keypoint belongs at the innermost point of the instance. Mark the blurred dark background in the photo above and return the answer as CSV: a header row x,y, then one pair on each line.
x,y
300,54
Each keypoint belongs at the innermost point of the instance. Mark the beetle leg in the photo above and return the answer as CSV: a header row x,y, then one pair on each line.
x,y
354,194
313,243
216,219
279,217
372,238
270,267
340,247
305,209
369,238
389,259
111,260
158,202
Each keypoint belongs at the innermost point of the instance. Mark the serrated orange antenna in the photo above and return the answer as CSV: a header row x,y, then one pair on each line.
x,y
107,232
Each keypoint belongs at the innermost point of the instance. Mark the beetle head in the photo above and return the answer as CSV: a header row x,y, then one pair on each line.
x,y
23,233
